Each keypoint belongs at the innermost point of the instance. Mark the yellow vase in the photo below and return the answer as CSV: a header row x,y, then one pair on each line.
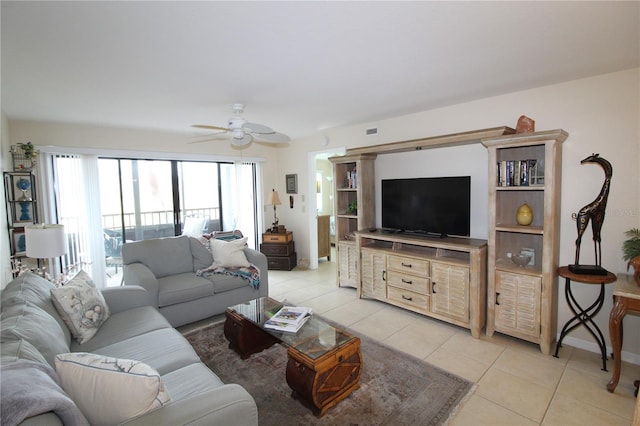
x,y
524,215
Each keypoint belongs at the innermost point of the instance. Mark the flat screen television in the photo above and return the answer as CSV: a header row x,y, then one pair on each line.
x,y
433,206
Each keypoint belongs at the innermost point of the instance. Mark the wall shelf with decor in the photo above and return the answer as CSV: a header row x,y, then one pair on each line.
x,y
522,300
22,208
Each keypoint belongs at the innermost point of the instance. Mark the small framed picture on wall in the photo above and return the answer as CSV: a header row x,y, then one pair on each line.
x,y
292,184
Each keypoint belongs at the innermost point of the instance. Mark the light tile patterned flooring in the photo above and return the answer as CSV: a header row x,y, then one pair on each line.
x,y
515,383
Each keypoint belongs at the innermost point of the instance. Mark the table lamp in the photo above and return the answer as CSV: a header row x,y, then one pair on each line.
x,y
45,242
274,199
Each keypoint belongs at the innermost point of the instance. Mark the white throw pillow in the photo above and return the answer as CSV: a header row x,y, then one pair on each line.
x,y
110,390
229,254
81,306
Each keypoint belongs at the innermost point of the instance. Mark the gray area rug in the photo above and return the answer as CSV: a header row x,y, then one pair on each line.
x,y
395,388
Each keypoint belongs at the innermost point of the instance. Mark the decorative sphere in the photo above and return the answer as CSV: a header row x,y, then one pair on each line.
x,y
524,215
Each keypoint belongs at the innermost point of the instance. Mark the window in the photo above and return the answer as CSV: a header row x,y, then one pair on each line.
x,y
143,199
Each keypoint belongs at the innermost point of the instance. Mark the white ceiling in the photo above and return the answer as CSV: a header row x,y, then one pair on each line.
x,y
298,66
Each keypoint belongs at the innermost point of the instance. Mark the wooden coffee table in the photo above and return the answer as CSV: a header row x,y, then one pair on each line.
x,y
324,363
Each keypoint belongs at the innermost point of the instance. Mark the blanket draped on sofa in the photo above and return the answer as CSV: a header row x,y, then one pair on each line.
x,y
30,388
250,273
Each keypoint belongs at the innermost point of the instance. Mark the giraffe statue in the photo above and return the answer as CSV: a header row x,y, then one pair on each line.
x,y
594,211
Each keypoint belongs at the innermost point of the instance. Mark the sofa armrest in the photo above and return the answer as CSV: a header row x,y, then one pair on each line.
x,y
139,274
260,260
124,298
227,405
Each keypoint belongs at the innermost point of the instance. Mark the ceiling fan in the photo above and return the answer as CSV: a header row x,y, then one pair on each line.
x,y
242,132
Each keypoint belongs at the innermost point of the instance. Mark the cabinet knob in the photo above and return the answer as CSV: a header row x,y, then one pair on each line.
x,y
407,298
384,275
407,281
407,265
433,288
497,302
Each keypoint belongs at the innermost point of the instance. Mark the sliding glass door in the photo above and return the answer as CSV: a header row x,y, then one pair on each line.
x,y
145,199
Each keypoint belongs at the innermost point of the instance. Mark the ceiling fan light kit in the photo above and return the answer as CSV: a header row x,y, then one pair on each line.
x,y
242,132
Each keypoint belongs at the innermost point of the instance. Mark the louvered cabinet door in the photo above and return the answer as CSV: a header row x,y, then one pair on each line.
x,y
348,264
517,304
450,290
373,274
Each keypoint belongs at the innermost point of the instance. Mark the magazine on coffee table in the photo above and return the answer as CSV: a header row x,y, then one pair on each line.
x,y
288,318
285,326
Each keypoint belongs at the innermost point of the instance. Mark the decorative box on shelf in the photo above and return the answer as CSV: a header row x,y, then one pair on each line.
x,y
279,248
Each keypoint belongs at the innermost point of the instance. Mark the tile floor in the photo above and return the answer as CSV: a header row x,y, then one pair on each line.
x,y
515,383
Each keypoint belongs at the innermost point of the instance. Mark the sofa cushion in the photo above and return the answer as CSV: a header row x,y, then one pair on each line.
x,y
124,325
190,380
182,288
222,282
110,390
13,350
201,253
164,256
229,254
81,306
165,350
34,289
36,326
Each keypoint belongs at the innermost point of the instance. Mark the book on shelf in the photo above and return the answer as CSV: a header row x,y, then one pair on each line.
x,y
285,326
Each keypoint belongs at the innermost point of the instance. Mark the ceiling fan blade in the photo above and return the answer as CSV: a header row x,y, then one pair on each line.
x,y
206,126
257,128
274,137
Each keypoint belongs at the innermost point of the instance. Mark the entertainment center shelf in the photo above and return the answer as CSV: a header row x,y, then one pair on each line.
x,y
444,278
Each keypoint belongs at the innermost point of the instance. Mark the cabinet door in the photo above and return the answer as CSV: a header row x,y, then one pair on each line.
x,y
517,307
450,290
348,264
373,274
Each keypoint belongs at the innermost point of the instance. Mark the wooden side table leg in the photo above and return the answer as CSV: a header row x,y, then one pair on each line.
x,y
618,312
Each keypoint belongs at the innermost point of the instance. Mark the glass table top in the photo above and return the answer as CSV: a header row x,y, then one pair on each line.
x,y
314,339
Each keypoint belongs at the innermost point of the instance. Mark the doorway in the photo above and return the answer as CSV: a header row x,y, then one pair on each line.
x,y
321,184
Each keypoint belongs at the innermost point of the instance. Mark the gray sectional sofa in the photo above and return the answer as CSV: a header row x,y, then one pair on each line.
x,y
166,268
33,333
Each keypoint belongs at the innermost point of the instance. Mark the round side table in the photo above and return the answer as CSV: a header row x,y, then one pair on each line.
x,y
584,316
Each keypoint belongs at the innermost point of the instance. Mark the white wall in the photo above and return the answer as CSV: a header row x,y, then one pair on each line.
x,y
601,114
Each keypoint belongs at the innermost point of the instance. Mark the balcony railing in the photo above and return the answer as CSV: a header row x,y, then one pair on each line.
x,y
155,224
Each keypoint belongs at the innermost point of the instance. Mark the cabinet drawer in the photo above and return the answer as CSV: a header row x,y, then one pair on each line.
x,y
406,297
277,238
409,282
409,264
272,249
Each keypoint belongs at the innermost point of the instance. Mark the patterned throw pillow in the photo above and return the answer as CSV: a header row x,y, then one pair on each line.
x,y
110,390
81,306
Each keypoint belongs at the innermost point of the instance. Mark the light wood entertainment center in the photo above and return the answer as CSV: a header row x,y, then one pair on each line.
x,y
463,281
444,278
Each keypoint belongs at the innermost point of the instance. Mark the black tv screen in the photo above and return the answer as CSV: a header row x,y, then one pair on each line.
x,y
439,205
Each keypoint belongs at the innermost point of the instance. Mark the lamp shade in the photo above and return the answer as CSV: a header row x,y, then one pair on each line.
x,y
274,199
45,241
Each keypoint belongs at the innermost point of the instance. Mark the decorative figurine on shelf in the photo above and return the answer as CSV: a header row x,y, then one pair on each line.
x,y
525,125
631,252
25,212
594,213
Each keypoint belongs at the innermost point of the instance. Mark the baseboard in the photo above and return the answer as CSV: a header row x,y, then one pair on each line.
x,y
593,347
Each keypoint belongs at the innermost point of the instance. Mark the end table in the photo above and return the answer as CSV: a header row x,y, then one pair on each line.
x,y
582,316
